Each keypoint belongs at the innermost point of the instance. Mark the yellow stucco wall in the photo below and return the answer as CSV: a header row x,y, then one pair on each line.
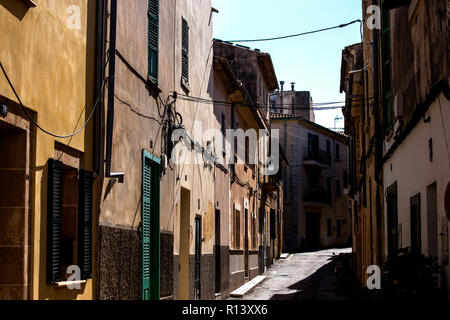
x,y
52,69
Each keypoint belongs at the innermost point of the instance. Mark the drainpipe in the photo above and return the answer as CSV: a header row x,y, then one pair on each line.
x,y
233,166
111,91
99,76
282,96
378,142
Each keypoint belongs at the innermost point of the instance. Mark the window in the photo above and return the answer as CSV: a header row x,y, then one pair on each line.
x,y
313,145
388,108
223,129
339,228
153,39
338,187
430,149
416,238
237,229
329,227
338,151
273,234
69,221
328,147
184,53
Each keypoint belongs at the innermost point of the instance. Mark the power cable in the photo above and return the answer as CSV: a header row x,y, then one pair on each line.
x,y
291,107
299,34
37,125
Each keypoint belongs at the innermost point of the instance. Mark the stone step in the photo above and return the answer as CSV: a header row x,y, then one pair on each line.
x,y
240,292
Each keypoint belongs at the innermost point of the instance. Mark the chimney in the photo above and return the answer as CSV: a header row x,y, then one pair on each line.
x,y
293,86
282,95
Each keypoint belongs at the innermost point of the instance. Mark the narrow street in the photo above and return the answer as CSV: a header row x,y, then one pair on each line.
x,y
302,276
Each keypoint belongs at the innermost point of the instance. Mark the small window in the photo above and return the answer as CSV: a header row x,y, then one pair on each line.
x,y
338,151
153,39
185,53
69,221
223,129
430,149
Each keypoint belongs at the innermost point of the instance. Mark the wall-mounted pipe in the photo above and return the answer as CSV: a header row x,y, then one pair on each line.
x,y
99,76
111,92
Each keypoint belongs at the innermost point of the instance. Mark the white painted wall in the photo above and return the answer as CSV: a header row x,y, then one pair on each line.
x,y
413,171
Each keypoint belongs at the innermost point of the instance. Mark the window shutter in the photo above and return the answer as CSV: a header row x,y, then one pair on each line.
x,y
146,220
185,51
153,39
85,224
388,107
54,209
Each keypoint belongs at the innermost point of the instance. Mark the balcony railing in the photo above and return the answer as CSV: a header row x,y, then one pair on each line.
x,y
321,156
317,195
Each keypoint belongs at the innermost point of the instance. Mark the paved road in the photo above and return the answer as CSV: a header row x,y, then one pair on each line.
x,y
303,276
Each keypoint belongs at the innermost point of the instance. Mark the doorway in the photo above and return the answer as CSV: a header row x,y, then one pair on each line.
x,y
312,231
184,245
432,220
217,250
198,256
246,249
14,213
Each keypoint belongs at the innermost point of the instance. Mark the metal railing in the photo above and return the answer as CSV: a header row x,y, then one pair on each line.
x,y
313,154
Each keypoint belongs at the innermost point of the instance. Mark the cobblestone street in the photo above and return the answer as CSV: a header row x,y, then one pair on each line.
x,y
302,276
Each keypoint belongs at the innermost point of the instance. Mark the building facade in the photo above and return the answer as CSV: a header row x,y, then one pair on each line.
x,y
298,103
244,79
47,215
316,211
400,168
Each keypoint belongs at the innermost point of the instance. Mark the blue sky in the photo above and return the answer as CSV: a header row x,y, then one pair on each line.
x,y
313,62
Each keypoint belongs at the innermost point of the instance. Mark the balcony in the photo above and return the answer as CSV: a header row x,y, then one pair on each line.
x,y
317,196
316,158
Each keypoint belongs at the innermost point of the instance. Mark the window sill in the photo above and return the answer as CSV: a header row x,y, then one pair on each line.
x,y
153,88
185,86
64,284
30,3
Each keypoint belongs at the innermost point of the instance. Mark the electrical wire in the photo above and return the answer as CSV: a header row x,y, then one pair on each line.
x,y
299,34
291,107
30,118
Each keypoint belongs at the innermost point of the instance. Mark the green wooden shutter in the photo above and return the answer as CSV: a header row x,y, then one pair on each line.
x,y
153,39
54,209
185,51
150,227
146,221
388,106
84,246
